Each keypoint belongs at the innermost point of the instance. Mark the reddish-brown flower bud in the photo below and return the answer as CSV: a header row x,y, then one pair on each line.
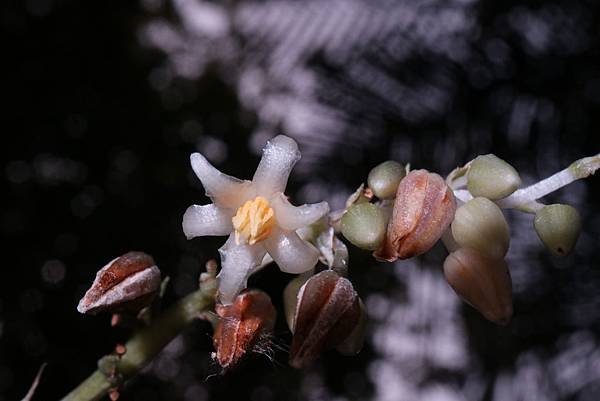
x,y
423,209
327,312
241,326
129,282
482,282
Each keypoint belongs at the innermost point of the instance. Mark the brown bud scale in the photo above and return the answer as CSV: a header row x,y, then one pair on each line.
x,y
482,282
128,282
327,312
423,209
241,326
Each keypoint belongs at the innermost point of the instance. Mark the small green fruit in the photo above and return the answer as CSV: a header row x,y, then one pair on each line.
x,y
558,226
492,177
364,225
385,178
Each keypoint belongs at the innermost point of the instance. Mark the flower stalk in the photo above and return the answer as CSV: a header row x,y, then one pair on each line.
x,y
525,199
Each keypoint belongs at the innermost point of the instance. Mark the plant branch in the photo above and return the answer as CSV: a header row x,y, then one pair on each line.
x,y
144,346
525,199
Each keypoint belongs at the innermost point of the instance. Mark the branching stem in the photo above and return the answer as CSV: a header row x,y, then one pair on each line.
x,y
145,345
525,199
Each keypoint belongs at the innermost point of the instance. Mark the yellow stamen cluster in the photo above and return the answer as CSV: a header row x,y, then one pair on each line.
x,y
253,221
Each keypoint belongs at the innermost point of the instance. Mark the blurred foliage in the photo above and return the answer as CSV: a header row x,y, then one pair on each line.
x,y
105,102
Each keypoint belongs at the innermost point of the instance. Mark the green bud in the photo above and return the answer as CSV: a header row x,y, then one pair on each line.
x,y
385,178
492,177
480,224
558,226
290,298
364,225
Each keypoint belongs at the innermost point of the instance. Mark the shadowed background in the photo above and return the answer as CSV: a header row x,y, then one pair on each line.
x,y
104,102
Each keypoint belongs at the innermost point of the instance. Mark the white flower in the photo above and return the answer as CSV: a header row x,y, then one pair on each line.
x,y
256,215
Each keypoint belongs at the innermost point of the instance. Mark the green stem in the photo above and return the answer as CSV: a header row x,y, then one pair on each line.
x,y
145,345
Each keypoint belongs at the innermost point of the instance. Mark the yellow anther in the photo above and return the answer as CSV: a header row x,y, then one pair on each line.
x,y
253,221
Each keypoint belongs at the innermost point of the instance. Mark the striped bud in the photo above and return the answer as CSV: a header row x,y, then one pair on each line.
x,y
423,209
492,177
483,283
355,341
327,312
127,283
558,226
242,325
384,179
480,224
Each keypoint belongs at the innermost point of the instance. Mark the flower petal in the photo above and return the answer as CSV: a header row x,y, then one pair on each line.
x,y
238,262
207,220
223,189
279,157
291,218
290,252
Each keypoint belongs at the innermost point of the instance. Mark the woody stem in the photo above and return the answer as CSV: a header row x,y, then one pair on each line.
x,y
145,345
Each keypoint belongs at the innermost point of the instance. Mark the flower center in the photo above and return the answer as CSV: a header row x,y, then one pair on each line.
x,y
253,221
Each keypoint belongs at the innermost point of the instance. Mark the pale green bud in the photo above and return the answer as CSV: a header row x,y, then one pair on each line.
x,y
364,225
290,298
492,177
480,224
558,226
385,178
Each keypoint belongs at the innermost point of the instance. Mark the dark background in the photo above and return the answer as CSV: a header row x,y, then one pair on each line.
x,y
104,102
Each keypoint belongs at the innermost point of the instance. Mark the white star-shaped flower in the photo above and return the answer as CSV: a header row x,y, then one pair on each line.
x,y
256,215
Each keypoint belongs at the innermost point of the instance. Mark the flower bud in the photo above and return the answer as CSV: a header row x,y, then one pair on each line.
x,y
355,341
423,209
129,282
480,224
482,282
558,226
385,178
364,225
328,310
492,177
290,298
242,325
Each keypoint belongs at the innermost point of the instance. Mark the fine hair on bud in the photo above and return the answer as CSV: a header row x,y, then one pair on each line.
x,y
241,326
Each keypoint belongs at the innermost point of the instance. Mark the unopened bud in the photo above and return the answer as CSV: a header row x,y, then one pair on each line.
x,y
480,224
492,177
385,178
242,325
482,282
558,226
127,283
423,209
364,225
355,341
290,298
328,311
